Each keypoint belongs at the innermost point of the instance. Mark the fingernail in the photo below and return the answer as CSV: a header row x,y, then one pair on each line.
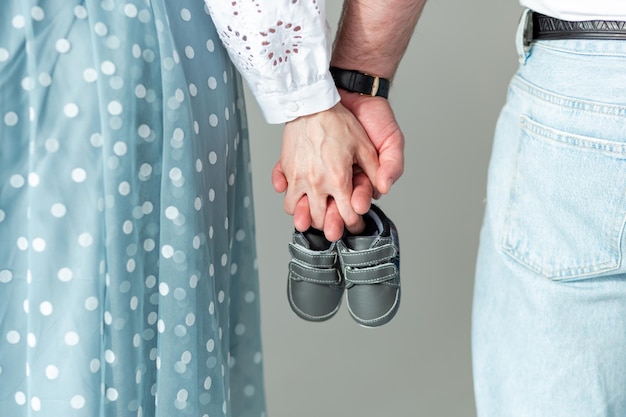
x,y
389,183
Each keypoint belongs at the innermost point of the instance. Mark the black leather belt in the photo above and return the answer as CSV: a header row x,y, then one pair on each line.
x,y
542,27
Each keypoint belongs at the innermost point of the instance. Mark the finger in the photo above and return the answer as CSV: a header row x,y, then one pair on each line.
x,y
367,159
391,166
362,193
333,223
302,215
350,218
278,178
317,208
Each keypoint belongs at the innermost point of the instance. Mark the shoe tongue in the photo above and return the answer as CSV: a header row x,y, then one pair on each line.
x,y
360,242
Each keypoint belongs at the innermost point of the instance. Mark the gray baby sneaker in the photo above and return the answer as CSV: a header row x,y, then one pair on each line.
x,y
370,265
314,286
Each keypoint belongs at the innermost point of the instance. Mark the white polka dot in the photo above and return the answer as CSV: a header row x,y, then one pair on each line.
x,y
180,330
240,329
127,227
52,145
212,83
65,274
52,372
107,5
144,16
211,194
80,12
112,394
221,296
148,55
90,75
13,337
143,131
37,13
4,55
212,157
11,118
63,46
17,181
248,391
28,83
20,398
2,216
164,289
71,110
107,68
185,14
5,276
224,259
18,21
213,121
193,90
210,45
116,82
31,340
85,240
77,402
94,365
39,244
115,108
58,210
100,29
22,243
149,245
35,403
171,212
109,356
249,297
44,79
71,338
78,175
130,10
140,91
91,303
124,188
189,52
33,179
45,308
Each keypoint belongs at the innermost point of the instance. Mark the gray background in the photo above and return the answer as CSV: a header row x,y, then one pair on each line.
x,y
446,95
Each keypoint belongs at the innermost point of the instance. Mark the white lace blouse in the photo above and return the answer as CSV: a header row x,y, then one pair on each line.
x,y
282,48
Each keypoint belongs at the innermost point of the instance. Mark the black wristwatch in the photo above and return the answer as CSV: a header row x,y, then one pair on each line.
x,y
359,82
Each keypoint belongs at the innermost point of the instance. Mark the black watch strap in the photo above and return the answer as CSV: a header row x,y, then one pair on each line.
x,y
359,82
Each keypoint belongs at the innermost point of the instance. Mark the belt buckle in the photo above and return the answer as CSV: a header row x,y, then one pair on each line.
x,y
528,29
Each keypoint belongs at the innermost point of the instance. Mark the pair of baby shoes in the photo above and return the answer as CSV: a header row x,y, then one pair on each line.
x,y
365,266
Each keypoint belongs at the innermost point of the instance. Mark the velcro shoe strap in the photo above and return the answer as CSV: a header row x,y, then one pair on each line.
x,y
315,259
368,256
317,276
373,275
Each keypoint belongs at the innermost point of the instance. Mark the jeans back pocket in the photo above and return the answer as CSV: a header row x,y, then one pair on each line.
x,y
566,210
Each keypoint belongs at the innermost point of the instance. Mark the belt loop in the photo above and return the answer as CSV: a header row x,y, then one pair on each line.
x,y
524,35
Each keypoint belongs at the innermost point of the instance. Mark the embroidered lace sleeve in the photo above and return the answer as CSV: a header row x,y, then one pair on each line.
x,y
282,49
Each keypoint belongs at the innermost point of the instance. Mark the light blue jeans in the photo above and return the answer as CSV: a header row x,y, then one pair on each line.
x,y
549,318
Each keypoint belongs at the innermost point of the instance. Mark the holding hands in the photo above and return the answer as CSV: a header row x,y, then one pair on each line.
x,y
333,162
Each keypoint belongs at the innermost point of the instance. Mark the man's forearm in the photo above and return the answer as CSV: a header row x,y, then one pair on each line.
x,y
374,34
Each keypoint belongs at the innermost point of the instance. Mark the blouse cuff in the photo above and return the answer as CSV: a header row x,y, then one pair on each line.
x,y
284,107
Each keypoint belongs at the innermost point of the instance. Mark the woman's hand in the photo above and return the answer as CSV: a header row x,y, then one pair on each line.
x,y
327,167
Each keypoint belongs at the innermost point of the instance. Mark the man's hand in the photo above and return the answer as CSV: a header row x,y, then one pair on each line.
x,y
377,118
